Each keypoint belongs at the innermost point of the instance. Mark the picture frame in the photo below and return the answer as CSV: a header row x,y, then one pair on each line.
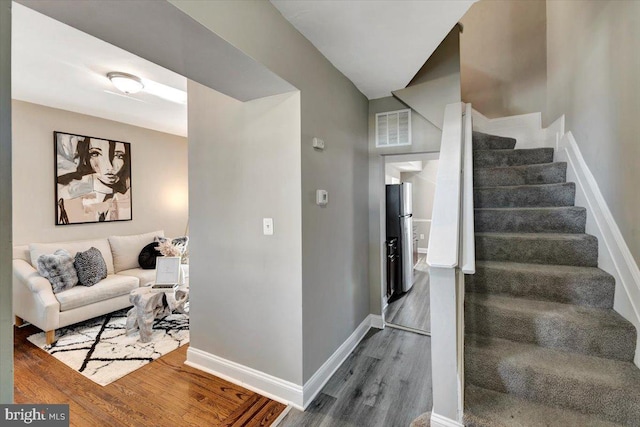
x,y
92,179
168,270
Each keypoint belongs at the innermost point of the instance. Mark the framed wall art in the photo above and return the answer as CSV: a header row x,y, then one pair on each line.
x,y
92,179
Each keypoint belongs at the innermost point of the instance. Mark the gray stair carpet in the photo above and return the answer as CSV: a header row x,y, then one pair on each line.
x,y
543,345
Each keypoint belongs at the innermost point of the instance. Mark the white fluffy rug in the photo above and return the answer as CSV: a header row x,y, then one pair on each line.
x,y
100,350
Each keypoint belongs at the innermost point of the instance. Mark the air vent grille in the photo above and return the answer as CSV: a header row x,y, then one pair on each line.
x,y
393,128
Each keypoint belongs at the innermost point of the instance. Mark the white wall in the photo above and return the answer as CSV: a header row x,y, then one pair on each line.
x,y
424,187
503,55
158,183
391,175
593,71
335,292
244,166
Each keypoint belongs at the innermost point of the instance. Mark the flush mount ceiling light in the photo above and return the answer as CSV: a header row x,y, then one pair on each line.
x,y
126,83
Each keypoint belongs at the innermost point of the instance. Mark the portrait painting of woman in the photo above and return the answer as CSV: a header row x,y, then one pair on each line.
x,y
93,179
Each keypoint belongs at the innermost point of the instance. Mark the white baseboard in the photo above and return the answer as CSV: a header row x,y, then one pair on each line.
x,y
376,321
614,255
440,421
275,388
267,385
313,386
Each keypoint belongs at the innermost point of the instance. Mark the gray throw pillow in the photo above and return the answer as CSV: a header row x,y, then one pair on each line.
x,y
58,269
90,266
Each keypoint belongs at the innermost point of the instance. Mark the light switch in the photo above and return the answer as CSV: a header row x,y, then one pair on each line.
x,y
267,226
422,237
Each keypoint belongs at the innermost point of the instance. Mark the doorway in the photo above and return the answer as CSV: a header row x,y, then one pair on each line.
x,y
406,302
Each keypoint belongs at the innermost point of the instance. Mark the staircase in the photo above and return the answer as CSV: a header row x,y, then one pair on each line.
x,y
543,346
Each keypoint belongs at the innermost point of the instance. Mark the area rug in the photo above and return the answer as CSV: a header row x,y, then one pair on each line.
x,y
100,349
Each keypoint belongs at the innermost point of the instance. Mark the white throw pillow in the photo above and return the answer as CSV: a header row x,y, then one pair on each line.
x,y
125,249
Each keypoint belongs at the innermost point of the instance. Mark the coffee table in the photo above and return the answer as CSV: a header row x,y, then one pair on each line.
x,y
149,305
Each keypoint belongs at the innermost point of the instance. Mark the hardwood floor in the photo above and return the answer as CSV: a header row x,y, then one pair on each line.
x,y
412,310
385,382
165,392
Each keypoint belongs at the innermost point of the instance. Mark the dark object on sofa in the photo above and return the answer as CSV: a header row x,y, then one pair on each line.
x,y
148,255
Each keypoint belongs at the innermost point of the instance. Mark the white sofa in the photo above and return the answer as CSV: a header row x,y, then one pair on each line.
x,y
35,302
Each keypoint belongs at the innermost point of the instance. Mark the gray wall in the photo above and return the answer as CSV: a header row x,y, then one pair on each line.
x,y
593,71
159,176
426,138
503,53
6,313
437,83
441,79
335,292
244,163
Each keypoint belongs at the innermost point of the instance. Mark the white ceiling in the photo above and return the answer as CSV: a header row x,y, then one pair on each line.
x,y
411,166
58,66
379,45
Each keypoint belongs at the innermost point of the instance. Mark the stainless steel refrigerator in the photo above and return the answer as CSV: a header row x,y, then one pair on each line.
x,y
399,212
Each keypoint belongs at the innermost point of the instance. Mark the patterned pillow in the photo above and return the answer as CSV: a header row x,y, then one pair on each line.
x,y
90,266
58,269
181,242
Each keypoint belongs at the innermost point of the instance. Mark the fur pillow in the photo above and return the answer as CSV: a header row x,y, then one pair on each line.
x,y
148,255
181,242
58,269
90,266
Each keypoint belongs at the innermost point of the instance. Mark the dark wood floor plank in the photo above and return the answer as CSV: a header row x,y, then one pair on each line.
x,y
239,417
165,392
266,416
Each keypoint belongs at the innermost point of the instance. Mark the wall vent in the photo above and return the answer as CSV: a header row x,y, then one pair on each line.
x,y
393,128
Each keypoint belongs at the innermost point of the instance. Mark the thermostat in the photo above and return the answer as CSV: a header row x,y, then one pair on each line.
x,y
322,197
318,143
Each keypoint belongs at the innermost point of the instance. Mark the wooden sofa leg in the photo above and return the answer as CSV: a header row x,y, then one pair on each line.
x,y
19,321
51,336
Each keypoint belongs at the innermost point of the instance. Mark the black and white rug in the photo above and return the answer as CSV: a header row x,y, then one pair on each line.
x,y
100,349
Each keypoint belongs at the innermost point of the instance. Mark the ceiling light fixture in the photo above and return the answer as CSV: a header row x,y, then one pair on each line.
x,y
126,83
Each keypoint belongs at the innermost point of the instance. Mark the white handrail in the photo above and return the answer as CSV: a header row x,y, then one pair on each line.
x,y
444,239
468,230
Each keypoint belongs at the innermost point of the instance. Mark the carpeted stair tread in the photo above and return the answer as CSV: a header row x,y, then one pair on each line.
x,y
566,219
538,248
484,141
517,157
545,173
586,330
488,408
588,286
514,196
609,389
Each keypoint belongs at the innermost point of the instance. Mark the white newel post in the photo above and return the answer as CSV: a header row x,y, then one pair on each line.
x,y
446,374
451,254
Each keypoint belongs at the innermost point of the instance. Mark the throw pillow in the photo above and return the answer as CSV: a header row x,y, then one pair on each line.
x,y
90,266
126,249
58,269
148,255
